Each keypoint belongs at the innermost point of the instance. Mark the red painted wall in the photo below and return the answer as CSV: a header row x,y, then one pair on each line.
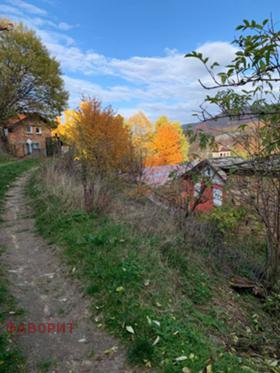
x,y
206,203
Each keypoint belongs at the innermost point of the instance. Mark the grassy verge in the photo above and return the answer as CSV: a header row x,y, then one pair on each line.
x,y
11,359
9,171
149,292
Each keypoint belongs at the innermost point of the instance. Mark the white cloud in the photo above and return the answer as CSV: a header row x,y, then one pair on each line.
x,y
64,26
29,8
7,9
160,85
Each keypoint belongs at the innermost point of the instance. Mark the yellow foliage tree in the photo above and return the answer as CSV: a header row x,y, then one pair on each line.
x,y
168,145
141,130
64,127
98,136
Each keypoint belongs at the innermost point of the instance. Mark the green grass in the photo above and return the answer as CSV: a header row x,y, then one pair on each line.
x,y
151,295
11,359
9,171
45,365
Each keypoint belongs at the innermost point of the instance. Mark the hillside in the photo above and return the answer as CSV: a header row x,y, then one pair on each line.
x,y
164,292
219,125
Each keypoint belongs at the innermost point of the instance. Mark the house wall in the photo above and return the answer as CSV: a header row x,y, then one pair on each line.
x,y
206,199
221,154
17,138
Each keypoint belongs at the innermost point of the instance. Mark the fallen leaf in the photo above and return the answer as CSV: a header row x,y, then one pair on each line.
x,y
181,358
130,329
111,350
273,363
156,340
192,356
148,364
156,322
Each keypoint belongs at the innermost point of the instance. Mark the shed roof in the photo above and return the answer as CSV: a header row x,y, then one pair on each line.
x,y
236,165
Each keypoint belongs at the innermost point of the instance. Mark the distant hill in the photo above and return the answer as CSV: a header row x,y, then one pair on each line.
x,y
219,125
224,129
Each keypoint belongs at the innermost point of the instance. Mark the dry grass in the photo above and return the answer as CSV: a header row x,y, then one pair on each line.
x,y
62,184
62,178
134,207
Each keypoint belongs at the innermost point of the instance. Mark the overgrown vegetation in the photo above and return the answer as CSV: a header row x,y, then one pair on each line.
x,y
152,289
11,359
247,88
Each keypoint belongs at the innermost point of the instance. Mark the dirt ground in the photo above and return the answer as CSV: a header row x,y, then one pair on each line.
x,y
41,286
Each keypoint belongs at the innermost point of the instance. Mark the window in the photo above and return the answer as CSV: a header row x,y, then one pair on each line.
x,y
38,131
29,129
217,197
6,131
35,146
197,189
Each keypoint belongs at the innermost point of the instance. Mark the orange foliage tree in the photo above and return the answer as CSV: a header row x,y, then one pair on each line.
x,y
168,145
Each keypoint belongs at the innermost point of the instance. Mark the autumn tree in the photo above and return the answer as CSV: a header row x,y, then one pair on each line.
x,y
101,142
30,80
141,129
168,145
248,88
98,134
64,126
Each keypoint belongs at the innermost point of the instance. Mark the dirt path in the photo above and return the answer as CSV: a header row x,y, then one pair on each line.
x,y
41,286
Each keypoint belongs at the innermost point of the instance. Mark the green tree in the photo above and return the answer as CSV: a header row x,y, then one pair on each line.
x,y
248,88
30,80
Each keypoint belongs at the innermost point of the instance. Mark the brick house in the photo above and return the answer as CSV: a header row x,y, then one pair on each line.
x,y
26,134
204,185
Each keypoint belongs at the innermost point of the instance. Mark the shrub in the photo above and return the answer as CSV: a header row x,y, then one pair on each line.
x,y
226,218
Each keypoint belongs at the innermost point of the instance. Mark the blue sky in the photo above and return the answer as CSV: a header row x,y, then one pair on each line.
x,y
129,53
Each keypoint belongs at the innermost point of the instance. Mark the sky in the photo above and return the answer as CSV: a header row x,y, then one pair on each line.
x,y
130,53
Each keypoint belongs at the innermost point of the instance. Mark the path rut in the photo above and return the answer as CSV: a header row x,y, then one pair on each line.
x,y
41,286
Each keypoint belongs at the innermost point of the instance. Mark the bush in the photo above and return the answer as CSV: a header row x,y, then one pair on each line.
x,y
226,218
